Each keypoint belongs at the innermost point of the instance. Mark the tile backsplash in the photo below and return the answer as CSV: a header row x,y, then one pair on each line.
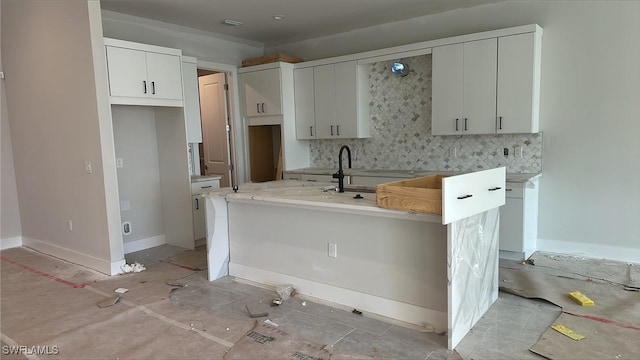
x,y
400,115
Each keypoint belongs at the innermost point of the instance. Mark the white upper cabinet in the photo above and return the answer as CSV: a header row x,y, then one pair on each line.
x,y
518,83
464,88
305,104
142,74
191,99
261,92
332,101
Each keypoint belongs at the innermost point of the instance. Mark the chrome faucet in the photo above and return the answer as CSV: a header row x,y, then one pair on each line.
x,y
340,174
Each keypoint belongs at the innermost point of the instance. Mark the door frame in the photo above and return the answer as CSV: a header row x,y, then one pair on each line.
x,y
237,151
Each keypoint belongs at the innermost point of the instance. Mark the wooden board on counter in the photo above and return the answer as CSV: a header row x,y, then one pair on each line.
x,y
419,195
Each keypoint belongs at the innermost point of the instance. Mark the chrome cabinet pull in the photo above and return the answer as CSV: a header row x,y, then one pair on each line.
x,y
153,87
144,86
465,124
495,188
464,197
197,204
331,130
457,125
338,130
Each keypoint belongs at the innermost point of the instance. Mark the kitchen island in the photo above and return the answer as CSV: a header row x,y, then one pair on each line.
x,y
330,246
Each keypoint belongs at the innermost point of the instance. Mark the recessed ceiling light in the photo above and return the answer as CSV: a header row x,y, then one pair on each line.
x,y
278,17
232,22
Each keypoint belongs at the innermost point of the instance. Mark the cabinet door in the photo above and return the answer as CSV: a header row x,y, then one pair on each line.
x,y
164,73
127,72
511,225
262,94
199,222
516,85
305,103
191,101
479,78
325,101
346,95
447,89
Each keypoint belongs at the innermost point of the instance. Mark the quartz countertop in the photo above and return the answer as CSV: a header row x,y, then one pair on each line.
x,y
511,177
308,194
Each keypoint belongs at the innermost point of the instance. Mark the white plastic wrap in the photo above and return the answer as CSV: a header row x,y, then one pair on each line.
x,y
472,271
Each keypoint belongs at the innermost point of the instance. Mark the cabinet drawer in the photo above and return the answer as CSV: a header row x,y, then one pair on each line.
x,y
203,186
514,190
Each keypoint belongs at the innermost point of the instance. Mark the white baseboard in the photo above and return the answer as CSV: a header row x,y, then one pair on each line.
x,y
92,262
365,302
143,244
11,242
590,250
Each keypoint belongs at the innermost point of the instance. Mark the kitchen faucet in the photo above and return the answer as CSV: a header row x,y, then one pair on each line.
x,y
340,174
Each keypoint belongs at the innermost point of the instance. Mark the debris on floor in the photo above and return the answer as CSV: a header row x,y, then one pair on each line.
x,y
285,291
253,312
276,302
581,299
356,311
174,283
133,268
270,323
109,302
567,332
121,290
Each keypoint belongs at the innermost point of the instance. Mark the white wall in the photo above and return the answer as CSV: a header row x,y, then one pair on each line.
x,y
56,105
589,110
10,227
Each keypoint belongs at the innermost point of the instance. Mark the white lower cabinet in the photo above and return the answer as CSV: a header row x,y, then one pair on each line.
x,y
198,205
519,221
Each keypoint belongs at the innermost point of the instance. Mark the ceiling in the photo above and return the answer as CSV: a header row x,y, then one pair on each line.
x,y
303,19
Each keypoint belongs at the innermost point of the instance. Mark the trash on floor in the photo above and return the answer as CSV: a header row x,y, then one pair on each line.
x,y
270,323
567,332
109,302
172,282
276,302
285,291
121,290
133,268
254,313
356,311
581,299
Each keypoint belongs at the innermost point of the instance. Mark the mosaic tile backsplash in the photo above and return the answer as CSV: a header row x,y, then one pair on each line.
x,y
400,115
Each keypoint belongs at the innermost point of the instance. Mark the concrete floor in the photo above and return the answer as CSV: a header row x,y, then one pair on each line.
x,y
217,310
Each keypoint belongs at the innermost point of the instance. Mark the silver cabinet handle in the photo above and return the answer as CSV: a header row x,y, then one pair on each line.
x,y
153,87
197,204
457,125
500,123
264,108
258,107
311,130
465,124
144,86
338,130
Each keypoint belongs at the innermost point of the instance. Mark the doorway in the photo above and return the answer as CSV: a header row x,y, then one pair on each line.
x,y
216,155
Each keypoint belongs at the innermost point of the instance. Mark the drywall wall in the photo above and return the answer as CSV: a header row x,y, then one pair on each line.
x,y
588,110
10,227
134,131
56,114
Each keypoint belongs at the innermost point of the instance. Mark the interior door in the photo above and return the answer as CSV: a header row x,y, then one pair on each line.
x,y
215,132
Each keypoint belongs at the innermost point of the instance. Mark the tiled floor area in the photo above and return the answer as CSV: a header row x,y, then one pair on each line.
x,y
508,329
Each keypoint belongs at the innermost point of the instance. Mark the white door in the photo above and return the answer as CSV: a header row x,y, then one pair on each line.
x,y
164,73
479,97
516,83
127,72
305,103
215,132
346,81
447,85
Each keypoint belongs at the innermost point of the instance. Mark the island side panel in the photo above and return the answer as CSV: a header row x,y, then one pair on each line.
x,y
392,267
473,270
217,237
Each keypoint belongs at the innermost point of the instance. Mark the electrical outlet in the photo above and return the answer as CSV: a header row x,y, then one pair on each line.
x,y
119,163
505,151
87,167
333,250
70,225
517,151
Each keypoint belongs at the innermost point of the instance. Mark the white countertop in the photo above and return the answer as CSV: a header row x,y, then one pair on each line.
x,y
199,178
311,195
511,177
